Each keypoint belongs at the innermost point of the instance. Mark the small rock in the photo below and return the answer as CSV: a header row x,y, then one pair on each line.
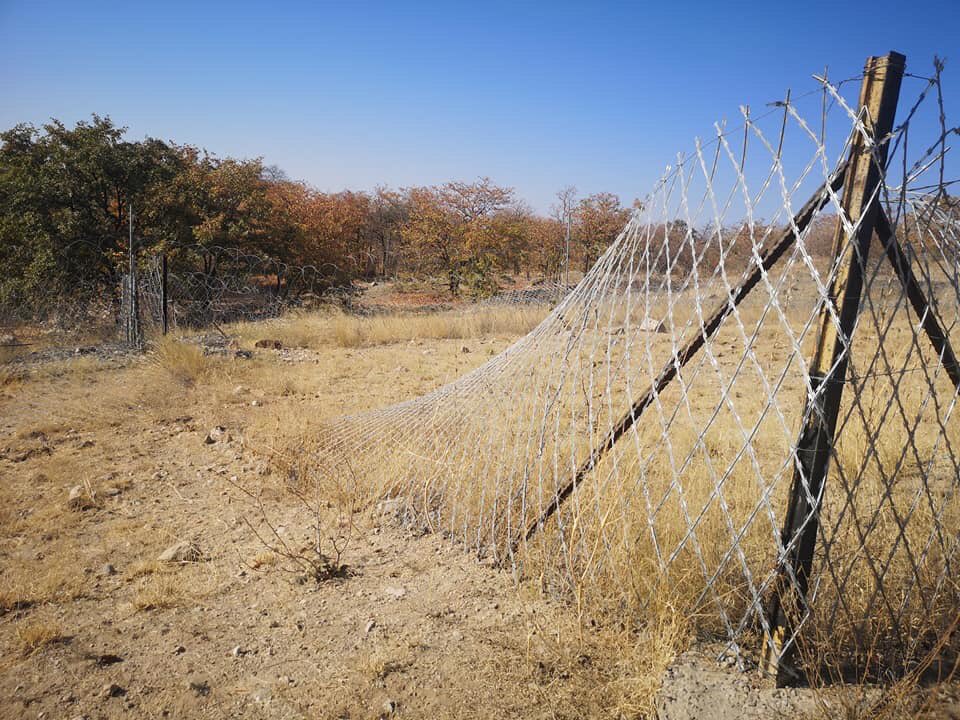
x,y
395,592
269,344
112,491
255,403
108,659
79,498
388,707
243,354
464,349
216,435
238,652
369,626
112,690
108,569
241,390
262,695
179,650
200,687
182,552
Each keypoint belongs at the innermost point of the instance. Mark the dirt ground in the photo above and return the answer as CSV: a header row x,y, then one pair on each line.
x,y
93,624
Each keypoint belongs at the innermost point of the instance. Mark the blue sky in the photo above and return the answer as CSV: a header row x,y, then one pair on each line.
x,y
536,96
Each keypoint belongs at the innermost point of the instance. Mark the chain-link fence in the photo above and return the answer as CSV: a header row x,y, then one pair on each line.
x,y
178,288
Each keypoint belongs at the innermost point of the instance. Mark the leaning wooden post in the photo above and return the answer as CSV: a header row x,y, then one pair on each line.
x,y
878,105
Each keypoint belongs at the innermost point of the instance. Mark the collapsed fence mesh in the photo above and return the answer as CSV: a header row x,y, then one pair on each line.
x,y
591,460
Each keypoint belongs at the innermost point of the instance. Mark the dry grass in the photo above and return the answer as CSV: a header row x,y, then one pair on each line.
x,y
34,635
142,568
264,559
158,591
182,362
352,331
13,596
314,330
687,504
54,580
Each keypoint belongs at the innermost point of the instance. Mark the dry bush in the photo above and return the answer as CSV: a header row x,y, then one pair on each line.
x,y
326,505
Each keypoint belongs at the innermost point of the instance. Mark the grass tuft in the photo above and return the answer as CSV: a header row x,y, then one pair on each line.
x,y
38,634
183,362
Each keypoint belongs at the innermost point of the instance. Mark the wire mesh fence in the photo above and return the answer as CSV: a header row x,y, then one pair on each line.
x,y
208,286
640,448
637,448
177,288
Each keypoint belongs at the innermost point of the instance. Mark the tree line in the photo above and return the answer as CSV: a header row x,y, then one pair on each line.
x,y
66,196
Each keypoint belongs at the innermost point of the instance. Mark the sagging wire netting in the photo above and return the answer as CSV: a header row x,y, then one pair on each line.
x,y
542,460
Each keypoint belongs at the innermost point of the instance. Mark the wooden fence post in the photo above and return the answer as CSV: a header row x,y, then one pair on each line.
x,y
879,93
163,292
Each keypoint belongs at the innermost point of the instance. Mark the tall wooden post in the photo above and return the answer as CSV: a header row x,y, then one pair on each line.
x,y
163,292
878,103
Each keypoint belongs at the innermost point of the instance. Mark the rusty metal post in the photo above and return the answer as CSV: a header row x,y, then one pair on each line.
x,y
879,93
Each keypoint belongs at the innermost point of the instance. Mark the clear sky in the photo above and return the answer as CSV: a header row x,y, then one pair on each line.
x,y
600,95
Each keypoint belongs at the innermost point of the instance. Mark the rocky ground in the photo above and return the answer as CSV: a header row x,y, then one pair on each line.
x,y
133,582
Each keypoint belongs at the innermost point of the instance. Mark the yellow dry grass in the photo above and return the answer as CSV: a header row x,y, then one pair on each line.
x,y
687,504
313,330
34,635
182,362
160,590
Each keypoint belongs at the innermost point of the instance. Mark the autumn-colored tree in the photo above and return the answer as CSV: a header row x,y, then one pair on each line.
x,y
388,212
599,219
547,246
454,229
66,194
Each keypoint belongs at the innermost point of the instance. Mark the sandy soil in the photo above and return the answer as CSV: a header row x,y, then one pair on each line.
x,y
94,625
415,629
